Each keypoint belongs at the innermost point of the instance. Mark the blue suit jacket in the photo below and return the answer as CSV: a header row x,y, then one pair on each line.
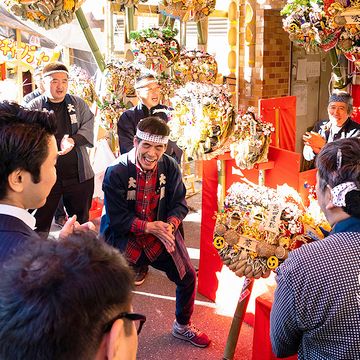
x,y
13,234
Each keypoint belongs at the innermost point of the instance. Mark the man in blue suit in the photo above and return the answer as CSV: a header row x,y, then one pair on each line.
x,y
28,154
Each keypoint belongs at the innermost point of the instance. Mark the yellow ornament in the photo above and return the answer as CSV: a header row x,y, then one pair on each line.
x,y
272,262
68,5
219,242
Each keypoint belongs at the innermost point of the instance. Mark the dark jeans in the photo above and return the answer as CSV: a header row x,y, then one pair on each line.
x,y
185,288
77,200
60,211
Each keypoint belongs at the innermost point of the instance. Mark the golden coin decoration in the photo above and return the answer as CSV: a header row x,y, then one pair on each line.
x,y
219,242
260,226
48,14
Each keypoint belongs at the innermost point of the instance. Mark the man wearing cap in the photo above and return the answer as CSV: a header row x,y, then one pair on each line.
x,y
144,203
148,92
338,126
75,132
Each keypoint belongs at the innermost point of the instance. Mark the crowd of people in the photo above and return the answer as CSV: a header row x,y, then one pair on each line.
x,y
71,297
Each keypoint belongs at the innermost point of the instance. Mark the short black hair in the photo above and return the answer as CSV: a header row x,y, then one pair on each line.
x,y
57,296
154,125
339,162
54,66
24,137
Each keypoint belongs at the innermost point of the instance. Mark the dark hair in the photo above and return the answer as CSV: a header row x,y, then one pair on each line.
x,y
339,162
154,125
56,297
54,66
24,137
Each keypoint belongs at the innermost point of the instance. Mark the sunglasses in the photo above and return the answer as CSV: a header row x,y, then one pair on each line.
x,y
139,319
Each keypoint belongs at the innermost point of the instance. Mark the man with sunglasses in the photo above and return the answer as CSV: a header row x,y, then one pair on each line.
x,y
68,300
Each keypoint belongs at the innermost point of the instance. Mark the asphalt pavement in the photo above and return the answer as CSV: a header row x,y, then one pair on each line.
x,y
156,299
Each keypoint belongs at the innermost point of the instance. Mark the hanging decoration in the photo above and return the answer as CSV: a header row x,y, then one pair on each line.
x,y
324,24
81,84
259,226
186,10
349,42
195,65
48,14
311,26
156,48
249,143
117,83
168,86
202,119
127,3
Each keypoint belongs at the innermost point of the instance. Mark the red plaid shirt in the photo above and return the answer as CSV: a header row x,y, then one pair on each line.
x,y
146,208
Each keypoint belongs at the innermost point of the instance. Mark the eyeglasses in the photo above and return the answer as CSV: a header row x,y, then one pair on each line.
x,y
138,318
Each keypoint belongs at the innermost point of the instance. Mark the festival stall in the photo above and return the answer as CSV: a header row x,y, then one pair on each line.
x,y
253,223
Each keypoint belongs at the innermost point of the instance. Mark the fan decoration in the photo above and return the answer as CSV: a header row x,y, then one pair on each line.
x,y
249,143
259,226
155,48
81,84
186,10
127,3
310,25
349,42
117,83
168,86
324,24
195,65
48,14
201,120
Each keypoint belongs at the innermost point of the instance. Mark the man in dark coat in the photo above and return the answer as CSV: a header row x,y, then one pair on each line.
x,y
28,155
338,126
148,92
144,199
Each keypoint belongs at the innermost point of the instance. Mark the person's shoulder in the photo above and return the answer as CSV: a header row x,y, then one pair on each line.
x,y
129,112
14,226
29,97
121,162
353,124
37,102
77,100
170,162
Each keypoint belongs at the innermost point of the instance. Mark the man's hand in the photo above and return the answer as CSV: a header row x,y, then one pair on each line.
x,y
72,225
163,232
66,145
314,140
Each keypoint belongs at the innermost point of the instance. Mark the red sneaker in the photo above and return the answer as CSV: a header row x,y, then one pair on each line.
x,y
192,334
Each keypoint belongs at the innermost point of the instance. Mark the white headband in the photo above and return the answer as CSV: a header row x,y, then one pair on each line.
x,y
55,71
338,193
145,82
159,139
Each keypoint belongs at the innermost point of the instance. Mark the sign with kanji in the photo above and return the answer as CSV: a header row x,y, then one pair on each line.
x,y
30,54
